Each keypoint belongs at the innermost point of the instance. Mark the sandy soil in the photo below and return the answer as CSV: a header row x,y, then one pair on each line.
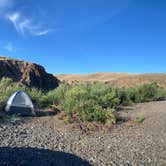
x,y
118,79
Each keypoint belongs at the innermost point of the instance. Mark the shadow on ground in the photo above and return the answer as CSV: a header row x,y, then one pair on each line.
x,y
121,120
45,113
38,157
39,113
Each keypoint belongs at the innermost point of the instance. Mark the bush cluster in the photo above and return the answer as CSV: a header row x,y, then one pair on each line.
x,y
8,87
88,102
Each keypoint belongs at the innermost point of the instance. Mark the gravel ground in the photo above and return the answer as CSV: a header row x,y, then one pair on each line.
x,y
126,144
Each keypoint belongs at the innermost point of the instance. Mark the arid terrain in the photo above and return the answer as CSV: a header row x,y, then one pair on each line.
x,y
137,138
127,143
34,75
83,83
117,79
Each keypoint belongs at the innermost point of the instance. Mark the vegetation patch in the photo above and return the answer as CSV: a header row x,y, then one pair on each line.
x,y
87,102
14,119
138,120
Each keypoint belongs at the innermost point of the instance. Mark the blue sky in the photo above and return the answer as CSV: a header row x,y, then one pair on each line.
x,y
86,36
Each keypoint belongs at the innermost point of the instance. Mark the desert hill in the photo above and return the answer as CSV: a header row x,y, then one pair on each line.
x,y
119,79
27,73
34,75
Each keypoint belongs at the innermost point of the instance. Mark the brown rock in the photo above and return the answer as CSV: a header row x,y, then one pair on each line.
x,y
30,74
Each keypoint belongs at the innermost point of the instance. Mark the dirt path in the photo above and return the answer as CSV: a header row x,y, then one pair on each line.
x,y
127,144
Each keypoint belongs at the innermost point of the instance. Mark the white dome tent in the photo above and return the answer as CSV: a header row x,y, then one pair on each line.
x,y
20,103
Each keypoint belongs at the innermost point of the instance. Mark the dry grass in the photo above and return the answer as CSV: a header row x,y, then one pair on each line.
x,y
118,79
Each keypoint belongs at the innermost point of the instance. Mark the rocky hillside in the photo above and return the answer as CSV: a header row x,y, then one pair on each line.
x,y
27,73
118,79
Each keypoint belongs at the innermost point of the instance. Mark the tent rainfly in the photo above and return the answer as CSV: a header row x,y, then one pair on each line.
x,y
20,103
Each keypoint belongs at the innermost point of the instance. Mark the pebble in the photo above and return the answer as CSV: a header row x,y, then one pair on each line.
x,y
123,146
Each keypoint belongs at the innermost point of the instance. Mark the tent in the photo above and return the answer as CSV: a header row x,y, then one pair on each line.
x,y
20,103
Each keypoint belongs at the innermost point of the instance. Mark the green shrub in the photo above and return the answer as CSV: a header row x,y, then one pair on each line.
x,y
125,96
36,96
56,96
7,87
138,120
149,92
84,101
89,102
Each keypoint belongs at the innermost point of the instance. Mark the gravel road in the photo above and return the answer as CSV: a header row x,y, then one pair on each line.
x,y
48,141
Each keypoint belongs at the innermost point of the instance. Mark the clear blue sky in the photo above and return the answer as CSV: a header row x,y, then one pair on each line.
x,y
86,36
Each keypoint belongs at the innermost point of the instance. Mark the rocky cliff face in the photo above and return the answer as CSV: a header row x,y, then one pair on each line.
x,y
30,74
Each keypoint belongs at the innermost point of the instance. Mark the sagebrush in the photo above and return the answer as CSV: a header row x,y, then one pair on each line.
x,y
88,102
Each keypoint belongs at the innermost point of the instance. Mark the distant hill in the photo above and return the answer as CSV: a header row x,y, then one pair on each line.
x,y
27,73
34,75
118,79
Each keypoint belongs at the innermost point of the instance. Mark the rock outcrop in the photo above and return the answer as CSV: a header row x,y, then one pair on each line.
x,y
30,74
